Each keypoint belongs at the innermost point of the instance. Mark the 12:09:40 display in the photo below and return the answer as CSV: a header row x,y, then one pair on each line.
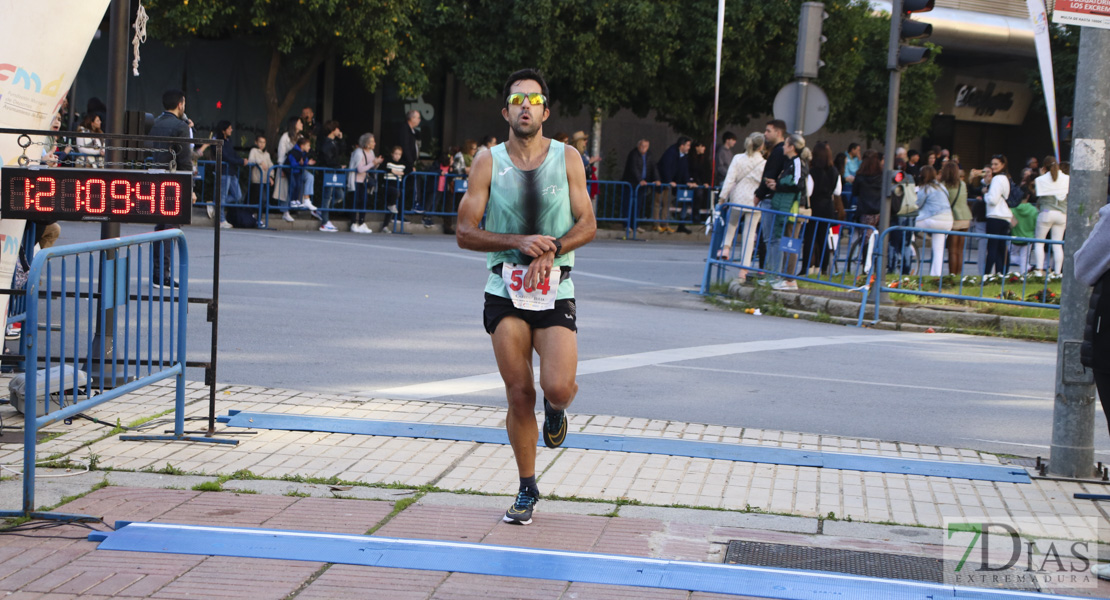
x,y
96,195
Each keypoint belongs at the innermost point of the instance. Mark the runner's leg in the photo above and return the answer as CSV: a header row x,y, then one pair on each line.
x,y
558,350
512,345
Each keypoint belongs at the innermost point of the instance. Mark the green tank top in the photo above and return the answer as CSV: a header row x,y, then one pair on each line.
x,y
507,210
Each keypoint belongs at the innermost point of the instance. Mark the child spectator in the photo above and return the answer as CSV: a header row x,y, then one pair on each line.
x,y
394,172
1025,224
297,160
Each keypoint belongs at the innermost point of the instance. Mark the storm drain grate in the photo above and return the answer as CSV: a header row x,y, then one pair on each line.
x,y
867,564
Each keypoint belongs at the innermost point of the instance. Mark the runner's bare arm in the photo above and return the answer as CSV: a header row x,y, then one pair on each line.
x,y
585,226
469,233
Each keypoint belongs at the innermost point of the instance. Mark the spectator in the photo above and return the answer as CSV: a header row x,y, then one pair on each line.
x,y
171,123
335,188
724,156
443,190
1033,165
230,192
1051,189
744,176
789,188
912,168
961,214
260,163
361,181
827,187
561,137
943,156
852,163
699,165
639,171
901,154
934,212
465,157
773,134
580,141
409,142
297,161
394,173
487,142
674,170
313,131
930,160
868,188
1025,225
998,214
92,148
285,143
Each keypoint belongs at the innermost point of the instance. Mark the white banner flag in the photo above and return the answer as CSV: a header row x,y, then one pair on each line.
x,y
1044,56
717,93
42,46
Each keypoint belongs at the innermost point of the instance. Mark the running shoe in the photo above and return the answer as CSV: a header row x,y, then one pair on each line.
x,y
328,227
285,216
225,225
520,513
554,426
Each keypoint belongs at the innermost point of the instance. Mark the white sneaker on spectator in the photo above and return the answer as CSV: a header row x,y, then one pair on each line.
x,y
328,227
285,216
225,225
211,211
307,204
1102,571
296,205
364,228
316,215
785,285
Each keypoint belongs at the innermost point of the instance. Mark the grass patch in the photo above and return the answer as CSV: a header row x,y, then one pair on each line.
x,y
296,494
209,486
398,507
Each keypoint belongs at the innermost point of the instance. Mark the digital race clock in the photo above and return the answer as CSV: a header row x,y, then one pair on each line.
x,y
63,194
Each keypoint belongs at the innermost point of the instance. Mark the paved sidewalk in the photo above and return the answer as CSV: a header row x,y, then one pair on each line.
x,y
612,502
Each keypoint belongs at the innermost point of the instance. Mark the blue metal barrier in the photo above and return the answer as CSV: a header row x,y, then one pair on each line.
x,y
102,309
614,203
662,206
1036,295
793,245
421,194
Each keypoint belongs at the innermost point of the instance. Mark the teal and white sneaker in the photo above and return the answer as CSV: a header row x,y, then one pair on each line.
x,y
520,513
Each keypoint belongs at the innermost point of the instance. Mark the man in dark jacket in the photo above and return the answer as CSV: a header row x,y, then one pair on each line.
x,y
674,170
230,191
335,183
774,133
410,153
171,123
639,171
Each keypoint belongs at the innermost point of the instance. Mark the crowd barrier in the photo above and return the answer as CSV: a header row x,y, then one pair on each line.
x,y
909,263
661,206
783,245
253,194
107,329
431,194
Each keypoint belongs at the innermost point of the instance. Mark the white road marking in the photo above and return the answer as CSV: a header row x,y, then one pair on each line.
x,y
857,382
492,381
1042,446
259,282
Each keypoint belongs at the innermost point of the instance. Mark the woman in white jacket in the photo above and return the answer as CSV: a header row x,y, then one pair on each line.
x,y
1052,199
998,216
739,188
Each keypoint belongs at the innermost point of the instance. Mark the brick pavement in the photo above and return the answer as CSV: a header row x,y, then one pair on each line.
x,y
630,509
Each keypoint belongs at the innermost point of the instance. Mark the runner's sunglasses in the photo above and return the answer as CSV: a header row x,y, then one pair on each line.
x,y
534,98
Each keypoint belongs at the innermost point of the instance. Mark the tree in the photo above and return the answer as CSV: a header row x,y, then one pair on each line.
x,y
373,36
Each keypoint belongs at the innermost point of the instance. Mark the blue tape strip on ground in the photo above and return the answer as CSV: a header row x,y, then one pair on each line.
x,y
641,445
529,563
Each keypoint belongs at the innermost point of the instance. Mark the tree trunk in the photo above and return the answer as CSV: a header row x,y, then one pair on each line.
x,y
276,110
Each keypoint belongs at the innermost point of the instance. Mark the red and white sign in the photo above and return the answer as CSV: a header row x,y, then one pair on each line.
x,y
1086,13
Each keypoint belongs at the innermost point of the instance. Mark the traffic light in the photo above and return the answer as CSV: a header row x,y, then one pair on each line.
x,y
904,29
808,60
1065,130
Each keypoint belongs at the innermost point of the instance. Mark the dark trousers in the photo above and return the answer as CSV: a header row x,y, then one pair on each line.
x,y
815,243
360,202
1102,384
162,256
997,256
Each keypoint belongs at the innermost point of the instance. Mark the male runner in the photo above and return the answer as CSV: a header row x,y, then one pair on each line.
x,y
539,213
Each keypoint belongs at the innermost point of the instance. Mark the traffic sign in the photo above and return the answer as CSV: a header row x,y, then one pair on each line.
x,y
816,107
1086,13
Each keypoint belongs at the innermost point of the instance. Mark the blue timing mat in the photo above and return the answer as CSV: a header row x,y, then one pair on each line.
x,y
641,445
529,563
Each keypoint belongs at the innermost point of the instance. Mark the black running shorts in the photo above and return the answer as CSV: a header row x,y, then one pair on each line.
x,y
563,315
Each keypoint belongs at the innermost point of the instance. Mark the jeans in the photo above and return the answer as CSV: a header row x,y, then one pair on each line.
x,y
997,257
332,196
231,193
360,202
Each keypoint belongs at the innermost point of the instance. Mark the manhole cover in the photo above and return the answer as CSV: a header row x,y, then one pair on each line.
x,y
868,564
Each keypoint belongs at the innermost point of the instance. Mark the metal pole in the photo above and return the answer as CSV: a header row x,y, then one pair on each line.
x,y
800,114
1073,416
214,307
888,150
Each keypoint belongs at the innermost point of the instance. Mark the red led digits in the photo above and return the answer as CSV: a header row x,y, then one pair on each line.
x,y
119,198
71,195
101,196
28,193
175,208
149,209
40,196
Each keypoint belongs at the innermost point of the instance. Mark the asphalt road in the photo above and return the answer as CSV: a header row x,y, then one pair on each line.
x,y
400,316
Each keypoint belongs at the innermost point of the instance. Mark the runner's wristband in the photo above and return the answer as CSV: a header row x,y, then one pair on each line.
x,y
558,247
